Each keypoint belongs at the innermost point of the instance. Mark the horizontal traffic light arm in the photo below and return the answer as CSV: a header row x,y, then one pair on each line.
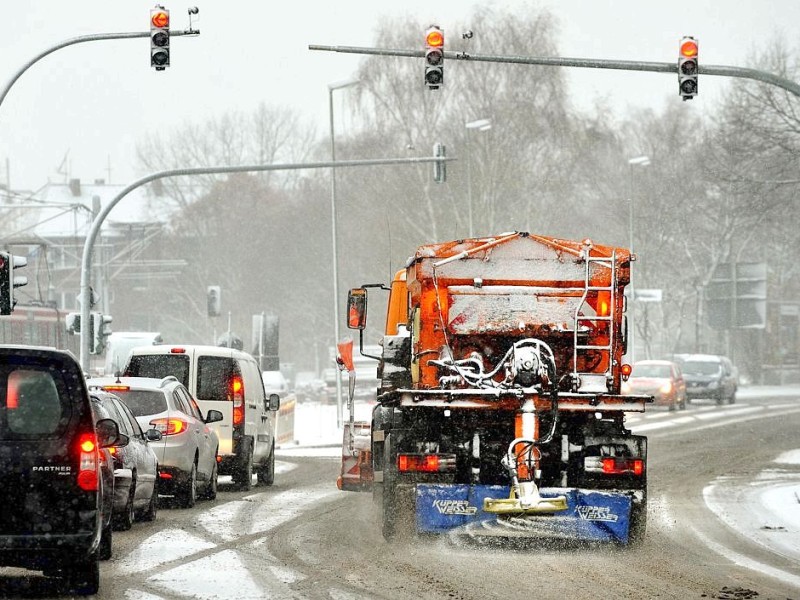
x,y
92,37
94,230
587,63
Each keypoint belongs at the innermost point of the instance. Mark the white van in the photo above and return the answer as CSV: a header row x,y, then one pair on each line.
x,y
227,380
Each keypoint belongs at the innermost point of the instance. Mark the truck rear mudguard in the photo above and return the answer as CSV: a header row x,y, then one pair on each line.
x,y
591,515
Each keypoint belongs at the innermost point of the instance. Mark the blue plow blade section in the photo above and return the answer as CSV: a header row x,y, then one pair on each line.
x,y
591,515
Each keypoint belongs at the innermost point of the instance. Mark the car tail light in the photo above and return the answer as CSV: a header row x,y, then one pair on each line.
x,y
88,463
237,396
163,475
170,426
426,463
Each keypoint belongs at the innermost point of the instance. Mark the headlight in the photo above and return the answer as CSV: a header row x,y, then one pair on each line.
x,y
666,388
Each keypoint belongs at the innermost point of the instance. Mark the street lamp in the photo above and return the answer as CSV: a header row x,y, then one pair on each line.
x,y
639,161
480,125
334,250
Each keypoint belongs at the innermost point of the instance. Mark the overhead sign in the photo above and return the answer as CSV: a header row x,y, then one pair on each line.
x,y
647,295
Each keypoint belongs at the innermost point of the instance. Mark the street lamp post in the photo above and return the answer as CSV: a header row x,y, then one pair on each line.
x,y
480,125
334,242
639,161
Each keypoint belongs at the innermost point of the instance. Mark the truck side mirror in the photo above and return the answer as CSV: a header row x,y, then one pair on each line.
x,y
357,308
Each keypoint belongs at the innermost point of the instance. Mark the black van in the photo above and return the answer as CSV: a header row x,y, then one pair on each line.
x,y
51,485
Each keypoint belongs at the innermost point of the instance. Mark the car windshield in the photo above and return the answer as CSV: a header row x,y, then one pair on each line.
x,y
701,367
143,402
658,371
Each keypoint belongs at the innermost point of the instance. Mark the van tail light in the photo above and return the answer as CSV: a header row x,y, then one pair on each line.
x,y
89,463
237,396
426,463
170,426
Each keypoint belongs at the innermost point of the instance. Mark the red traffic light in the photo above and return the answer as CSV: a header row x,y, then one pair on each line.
x,y
434,38
160,18
689,49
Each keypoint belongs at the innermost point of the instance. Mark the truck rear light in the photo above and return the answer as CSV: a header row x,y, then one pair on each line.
x,y
170,426
426,463
88,463
614,465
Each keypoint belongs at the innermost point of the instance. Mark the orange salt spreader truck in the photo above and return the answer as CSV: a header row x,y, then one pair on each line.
x,y
499,408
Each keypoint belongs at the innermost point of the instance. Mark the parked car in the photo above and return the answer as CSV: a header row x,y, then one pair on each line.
x,y
135,465
187,452
227,380
710,376
661,379
51,485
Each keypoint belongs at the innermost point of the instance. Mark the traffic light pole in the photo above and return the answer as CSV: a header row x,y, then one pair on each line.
x,y
92,37
94,231
588,63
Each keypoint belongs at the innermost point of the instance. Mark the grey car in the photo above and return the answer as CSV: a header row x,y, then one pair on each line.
x,y
709,376
187,451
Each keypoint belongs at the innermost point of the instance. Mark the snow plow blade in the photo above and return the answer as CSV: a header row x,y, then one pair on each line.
x,y
587,516
356,472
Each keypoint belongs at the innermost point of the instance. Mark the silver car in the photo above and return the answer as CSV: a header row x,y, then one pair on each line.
x,y
187,452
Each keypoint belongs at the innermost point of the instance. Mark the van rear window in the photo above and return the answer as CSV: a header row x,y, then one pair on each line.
x,y
214,374
34,403
159,366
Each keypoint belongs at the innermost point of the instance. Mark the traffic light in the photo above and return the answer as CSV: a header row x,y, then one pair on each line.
x,y
159,38
214,300
100,330
434,57
73,322
439,166
9,281
687,68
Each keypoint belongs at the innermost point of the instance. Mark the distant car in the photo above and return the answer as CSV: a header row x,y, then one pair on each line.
x,y
710,376
187,454
135,465
51,485
661,379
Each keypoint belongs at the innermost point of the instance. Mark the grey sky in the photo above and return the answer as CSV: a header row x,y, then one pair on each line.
x,y
95,101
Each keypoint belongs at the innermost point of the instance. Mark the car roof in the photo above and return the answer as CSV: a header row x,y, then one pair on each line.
x,y
136,383
192,349
703,358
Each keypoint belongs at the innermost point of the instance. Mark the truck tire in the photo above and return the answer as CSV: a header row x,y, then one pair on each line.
x,y
243,474
397,508
638,523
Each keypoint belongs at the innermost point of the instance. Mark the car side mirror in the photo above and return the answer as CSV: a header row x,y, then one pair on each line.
x,y
213,416
274,402
108,433
153,435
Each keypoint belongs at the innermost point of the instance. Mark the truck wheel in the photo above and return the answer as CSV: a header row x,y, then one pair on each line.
x,y
638,523
266,472
243,476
